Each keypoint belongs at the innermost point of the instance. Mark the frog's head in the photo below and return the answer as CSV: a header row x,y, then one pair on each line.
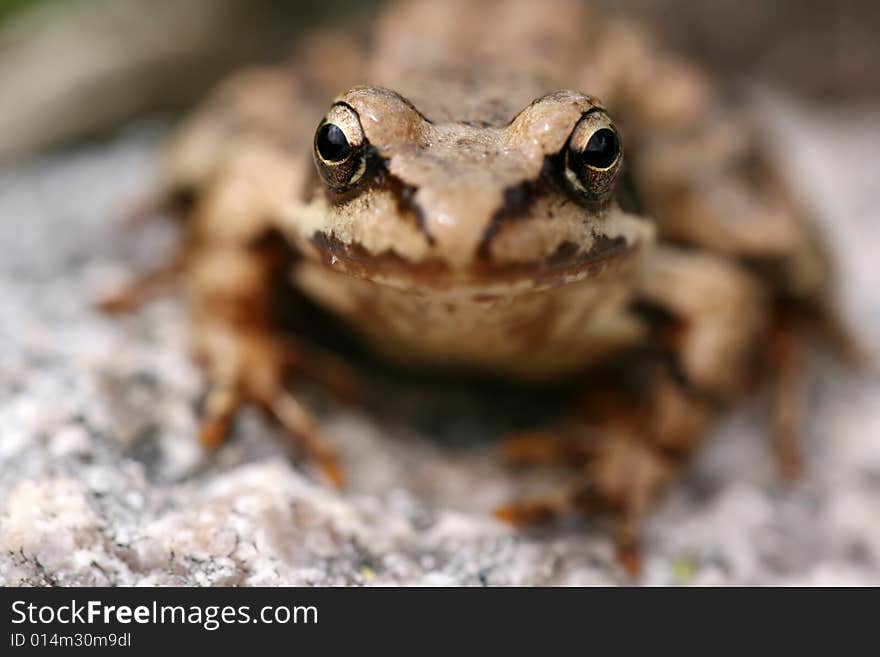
x,y
400,194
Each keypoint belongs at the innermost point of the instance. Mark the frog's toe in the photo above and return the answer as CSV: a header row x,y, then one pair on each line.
x,y
221,405
305,430
531,512
543,447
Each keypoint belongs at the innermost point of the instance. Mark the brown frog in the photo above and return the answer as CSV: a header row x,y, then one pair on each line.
x,y
467,205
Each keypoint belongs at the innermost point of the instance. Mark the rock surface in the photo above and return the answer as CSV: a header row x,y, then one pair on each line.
x,y
101,480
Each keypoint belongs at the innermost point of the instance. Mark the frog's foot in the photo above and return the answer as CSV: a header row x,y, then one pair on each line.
x,y
619,479
621,465
257,371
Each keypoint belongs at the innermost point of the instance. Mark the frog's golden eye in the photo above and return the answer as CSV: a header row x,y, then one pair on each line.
x,y
593,156
340,148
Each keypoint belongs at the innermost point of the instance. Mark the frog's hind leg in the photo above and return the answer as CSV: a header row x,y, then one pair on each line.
x,y
797,329
635,442
623,458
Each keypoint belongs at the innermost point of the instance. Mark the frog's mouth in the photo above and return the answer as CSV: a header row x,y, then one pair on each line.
x,y
568,264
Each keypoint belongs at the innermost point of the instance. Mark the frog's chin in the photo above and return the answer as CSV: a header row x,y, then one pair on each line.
x,y
567,264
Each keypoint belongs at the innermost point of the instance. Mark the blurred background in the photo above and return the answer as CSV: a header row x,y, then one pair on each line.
x,y
71,69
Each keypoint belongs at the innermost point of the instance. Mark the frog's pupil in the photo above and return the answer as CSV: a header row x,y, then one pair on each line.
x,y
332,144
602,149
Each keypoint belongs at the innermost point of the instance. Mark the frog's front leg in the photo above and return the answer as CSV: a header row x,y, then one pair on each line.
x,y
247,357
254,367
630,442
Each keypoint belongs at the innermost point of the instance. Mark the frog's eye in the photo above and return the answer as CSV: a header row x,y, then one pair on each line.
x,y
593,156
340,152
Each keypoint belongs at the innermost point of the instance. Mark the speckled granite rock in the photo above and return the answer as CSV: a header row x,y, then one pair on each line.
x,y
101,481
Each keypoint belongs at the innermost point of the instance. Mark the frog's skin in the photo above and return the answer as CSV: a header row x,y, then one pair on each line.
x,y
466,229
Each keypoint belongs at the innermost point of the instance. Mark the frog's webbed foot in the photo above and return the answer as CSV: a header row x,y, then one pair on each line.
x,y
256,369
621,462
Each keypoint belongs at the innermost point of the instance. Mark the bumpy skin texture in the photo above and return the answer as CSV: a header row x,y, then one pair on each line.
x,y
463,243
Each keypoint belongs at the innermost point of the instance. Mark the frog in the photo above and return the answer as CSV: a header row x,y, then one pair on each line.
x,y
535,192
